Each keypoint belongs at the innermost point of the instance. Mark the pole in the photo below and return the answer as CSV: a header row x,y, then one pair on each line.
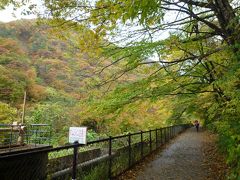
x,y
74,168
161,136
150,137
129,150
165,134
156,138
141,144
110,158
24,104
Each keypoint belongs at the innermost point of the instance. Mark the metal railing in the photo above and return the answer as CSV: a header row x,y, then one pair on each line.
x,y
12,135
9,134
100,159
39,134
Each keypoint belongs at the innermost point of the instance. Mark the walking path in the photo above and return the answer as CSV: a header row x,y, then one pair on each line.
x,y
184,158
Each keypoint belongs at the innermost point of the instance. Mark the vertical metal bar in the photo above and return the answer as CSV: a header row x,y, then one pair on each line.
x,y
173,131
129,150
110,158
150,139
141,144
165,135
29,130
35,130
161,136
10,143
156,138
50,134
170,128
168,132
39,134
26,134
74,165
32,134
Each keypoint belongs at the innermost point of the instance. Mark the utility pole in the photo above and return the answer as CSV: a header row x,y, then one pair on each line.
x,y
21,127
24,104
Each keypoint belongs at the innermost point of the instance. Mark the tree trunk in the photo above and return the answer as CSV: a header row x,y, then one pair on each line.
x,y
228,21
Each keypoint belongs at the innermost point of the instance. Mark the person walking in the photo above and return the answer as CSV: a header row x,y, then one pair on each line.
x,y
196,124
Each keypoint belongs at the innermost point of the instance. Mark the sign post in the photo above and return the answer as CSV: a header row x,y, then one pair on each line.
x,y
77,135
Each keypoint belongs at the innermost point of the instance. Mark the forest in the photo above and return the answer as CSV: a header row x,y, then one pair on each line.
x,y
119,66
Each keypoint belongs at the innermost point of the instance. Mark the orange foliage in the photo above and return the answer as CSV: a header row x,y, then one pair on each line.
x,y
36,92
10,46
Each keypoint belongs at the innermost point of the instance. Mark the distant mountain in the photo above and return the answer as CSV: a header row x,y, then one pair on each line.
x,y
59,75
31,58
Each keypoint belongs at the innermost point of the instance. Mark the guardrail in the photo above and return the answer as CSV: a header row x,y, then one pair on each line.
x,y
13,135
100,159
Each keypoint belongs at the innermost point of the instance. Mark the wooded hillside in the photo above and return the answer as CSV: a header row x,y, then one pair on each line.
x,y
67,86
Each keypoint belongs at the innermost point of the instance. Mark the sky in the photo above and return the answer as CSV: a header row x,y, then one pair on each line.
x,y
8,15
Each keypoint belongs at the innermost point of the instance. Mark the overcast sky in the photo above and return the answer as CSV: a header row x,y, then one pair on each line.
x,y
7,15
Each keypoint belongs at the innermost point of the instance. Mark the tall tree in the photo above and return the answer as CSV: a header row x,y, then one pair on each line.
x,y
197,57
210,25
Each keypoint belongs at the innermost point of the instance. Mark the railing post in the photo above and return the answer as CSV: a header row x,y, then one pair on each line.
x,y
74,165
167,132
26,135
173,131
156,138
10,140
150,139
161,136
35,130
165,135
110,157
170,132
50,134
39,134
129,150
141,144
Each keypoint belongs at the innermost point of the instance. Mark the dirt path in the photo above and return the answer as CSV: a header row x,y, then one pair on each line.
x,y
191,155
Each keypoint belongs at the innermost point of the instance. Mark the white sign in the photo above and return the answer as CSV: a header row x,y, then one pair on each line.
x,y
78,134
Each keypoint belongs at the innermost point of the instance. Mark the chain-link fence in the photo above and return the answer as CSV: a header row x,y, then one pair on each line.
x,y
100,159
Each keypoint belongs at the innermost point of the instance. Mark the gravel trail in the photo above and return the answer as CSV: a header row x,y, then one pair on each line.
x,y
182,159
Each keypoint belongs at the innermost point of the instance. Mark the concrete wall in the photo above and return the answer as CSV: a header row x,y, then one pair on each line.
x,y
64,162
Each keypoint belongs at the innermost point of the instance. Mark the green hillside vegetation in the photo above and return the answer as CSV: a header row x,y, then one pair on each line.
x,y
66,85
